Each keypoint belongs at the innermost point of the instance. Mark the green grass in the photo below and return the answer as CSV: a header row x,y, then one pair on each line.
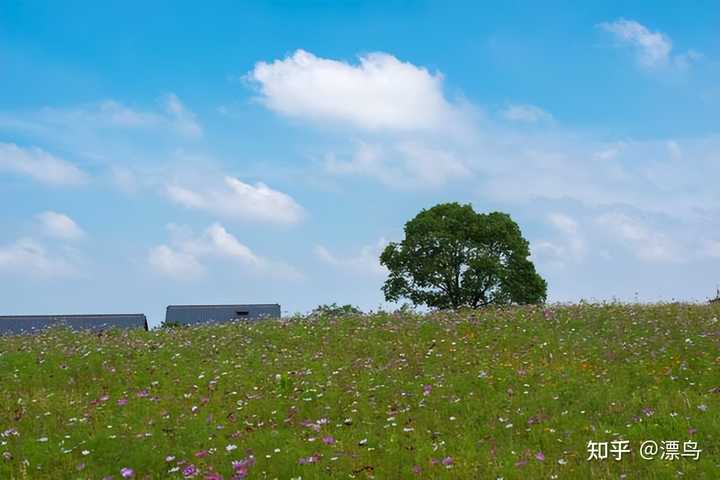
x,y
487,389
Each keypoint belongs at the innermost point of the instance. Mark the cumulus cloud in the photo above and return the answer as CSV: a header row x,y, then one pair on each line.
x,y
39,165
237,200
379,92
187,253
526,114
366,261
59,225
653,49
27,257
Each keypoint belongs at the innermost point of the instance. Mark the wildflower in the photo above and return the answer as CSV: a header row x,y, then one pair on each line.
x,y
127,472
201,454
189,471
328,440
143,393
447,461
314,458
122,401
702,407
170,458
243,465
43,439
230,448
363,442
213,476
540,456
427,390
417,470
85,452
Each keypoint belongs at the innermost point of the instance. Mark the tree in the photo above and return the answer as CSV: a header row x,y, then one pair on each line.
x,y
335,310
452,257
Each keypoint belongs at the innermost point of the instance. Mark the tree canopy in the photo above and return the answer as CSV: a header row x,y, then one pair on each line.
x,y
452,257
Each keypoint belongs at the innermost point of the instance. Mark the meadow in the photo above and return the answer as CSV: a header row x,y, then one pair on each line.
x,y
498,393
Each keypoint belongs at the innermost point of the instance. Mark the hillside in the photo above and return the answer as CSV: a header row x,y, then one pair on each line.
x,y
512,393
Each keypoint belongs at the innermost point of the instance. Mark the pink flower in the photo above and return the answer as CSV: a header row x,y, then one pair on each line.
x,y
329,440
447,461
127,472
143,393
213,476
427,389
540,456
417,470
201,454
122,401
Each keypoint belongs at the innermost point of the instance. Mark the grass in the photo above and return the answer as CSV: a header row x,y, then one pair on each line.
x,y
511,393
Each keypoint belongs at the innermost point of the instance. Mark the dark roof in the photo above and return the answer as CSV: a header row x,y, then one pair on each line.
x,y
227,305
27,323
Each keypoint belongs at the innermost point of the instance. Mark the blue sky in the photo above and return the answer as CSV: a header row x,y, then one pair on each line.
x,y
265,152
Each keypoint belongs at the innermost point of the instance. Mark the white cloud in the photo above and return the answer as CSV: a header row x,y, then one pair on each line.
x,y
187,254
653,48
400,164
39,165
235,199
28,257
178,265
367,261
180,118
100,117
570,247
59,225
380,92
647,244
526,113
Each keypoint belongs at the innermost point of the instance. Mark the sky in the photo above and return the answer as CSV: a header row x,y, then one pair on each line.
x,y
156,153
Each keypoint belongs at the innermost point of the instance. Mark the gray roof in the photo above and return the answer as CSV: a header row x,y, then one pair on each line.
x,y
17,324
194,314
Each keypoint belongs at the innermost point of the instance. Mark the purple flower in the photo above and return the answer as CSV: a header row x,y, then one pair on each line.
x,y
189,471
540,456
447,461
201,454
127,472
417,470
241,467
328,440
143,393
427,389
213,476
122,401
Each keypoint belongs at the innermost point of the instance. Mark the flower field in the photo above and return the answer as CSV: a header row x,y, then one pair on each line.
x,y
511,393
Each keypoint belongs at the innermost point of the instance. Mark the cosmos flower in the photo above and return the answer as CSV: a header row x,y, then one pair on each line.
x,y
127,472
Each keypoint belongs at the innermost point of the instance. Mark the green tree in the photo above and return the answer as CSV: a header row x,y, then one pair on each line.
x,y
452,257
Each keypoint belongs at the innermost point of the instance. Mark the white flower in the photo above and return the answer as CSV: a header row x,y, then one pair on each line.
x,y
230,448
86,452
